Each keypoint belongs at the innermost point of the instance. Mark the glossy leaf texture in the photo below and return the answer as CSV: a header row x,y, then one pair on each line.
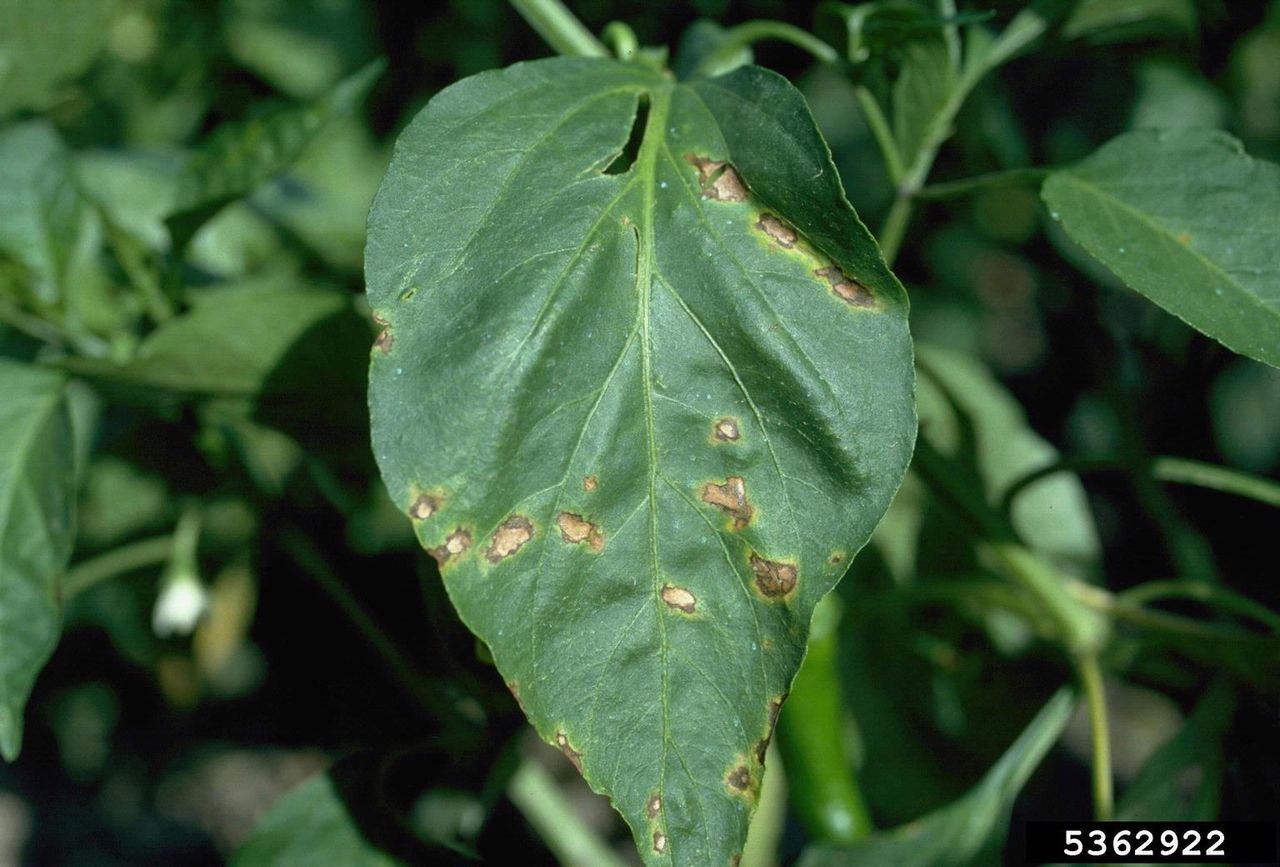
x,y
37,497
971,829
643,397
309,825
1189,220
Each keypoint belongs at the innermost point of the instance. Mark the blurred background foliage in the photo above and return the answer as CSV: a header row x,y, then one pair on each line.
x,y
246,608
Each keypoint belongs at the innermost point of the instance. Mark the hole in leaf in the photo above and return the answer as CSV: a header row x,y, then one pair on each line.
x,y
623,162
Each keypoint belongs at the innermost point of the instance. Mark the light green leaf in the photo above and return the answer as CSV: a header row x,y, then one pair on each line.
x,y
1175,95
37,497
1188,219
309,826
300,47
42,48
960,833
229,343
239,158
643,416
1115,20
970,417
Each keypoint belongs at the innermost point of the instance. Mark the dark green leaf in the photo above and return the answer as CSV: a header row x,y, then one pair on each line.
x,y
239,158
41,48
37,497
959,834
643,414
1188,219
309,826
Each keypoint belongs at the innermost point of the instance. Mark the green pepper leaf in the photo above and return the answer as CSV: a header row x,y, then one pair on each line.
x,y
42,48
968,830
644,395
37,498
1188,219
240,157
310,825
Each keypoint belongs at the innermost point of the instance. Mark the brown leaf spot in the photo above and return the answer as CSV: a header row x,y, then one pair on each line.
x,y
590,483
731,497
575,529
782,234
384,339
1184,237
678,597
719,180
767,644
626,221
762,746
726,430
659,842
654,806
424,507
846,288
773,579
454,544
837,557
509,538
740,778
515,693
574,756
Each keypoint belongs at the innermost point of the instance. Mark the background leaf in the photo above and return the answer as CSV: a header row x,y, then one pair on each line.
x,y
1115,20
228,343
958,834
239,158
643,412
308,826
1189,220
39,51
37,497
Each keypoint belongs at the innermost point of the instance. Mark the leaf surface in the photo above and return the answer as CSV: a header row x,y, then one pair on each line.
x,y
309,826
1189,220
41,49
642,403
37,495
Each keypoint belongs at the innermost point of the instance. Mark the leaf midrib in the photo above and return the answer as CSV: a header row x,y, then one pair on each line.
x,y
7,498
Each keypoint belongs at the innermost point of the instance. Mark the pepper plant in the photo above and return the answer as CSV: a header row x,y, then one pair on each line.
x,y
642,387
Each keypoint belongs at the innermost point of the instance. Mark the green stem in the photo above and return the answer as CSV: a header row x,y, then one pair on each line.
x,y
535,793
746,35
882,131
1200,591
622,39
116,562
824,790
1081,629
1224,479
1025,27
560,28
1174,625
989,181
1166,469
1096,697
